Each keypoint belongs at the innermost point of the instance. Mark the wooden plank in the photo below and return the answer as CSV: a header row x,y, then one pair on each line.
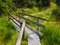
x,y
15,22
38,27
14,18
35,31
17,25
20,34
33,38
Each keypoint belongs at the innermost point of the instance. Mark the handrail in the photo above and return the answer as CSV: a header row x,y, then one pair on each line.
x,y
32,22
20,34
35,31
34,16
12,18
18,42
38,33
15,22
22,14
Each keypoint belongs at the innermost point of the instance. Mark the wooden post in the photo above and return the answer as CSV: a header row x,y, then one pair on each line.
x,y
23,34
8,17
38,27
18,42
20,19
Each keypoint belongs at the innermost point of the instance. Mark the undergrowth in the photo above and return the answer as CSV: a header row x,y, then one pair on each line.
x,y
8,34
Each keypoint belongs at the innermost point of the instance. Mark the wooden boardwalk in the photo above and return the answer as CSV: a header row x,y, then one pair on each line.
x,y
34,36
20,34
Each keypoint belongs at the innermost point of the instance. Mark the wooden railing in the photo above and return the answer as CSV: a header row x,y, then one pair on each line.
x,y
38,18
18,42
10,17
23,25
22,16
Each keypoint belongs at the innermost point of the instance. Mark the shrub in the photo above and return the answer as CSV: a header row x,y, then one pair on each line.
x,y
51,35
7,6
8,34
56,13
45,3
57,2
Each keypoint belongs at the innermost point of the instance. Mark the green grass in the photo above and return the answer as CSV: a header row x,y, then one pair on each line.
x,y
51,35
51,32
24,43
8,34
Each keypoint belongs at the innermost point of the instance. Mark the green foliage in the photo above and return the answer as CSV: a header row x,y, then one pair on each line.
x,y
32,10
56,13
8,34
51,32
32,3
58,2
6,6
39,3
45,3
51,35
24,43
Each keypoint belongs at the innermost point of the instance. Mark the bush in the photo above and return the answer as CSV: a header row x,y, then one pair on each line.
x,y
45,3
51,35
8,34
32,10
56,13
58,2
7,6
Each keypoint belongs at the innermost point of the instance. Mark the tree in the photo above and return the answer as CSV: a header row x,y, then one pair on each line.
x,y
6,6
45,3
38,2
58,2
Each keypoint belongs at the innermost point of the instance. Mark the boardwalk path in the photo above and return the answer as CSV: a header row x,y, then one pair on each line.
x,y
33,38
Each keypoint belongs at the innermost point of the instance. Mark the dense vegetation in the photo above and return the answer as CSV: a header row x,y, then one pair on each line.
x,y
49,9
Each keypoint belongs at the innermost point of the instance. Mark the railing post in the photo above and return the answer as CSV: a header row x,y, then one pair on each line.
x,y
18,42
20,16
8,17
38,27
20,19
23,34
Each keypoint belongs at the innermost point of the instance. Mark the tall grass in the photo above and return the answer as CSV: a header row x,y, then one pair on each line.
x,y
8,34
51,32
51,35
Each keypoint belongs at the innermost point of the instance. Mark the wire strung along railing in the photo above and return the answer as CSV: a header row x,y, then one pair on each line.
x,y
23,25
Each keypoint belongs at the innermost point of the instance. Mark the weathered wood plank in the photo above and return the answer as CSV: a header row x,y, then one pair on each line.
x,y
14,18
20,34
33,38
17,25
15,22
33,30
